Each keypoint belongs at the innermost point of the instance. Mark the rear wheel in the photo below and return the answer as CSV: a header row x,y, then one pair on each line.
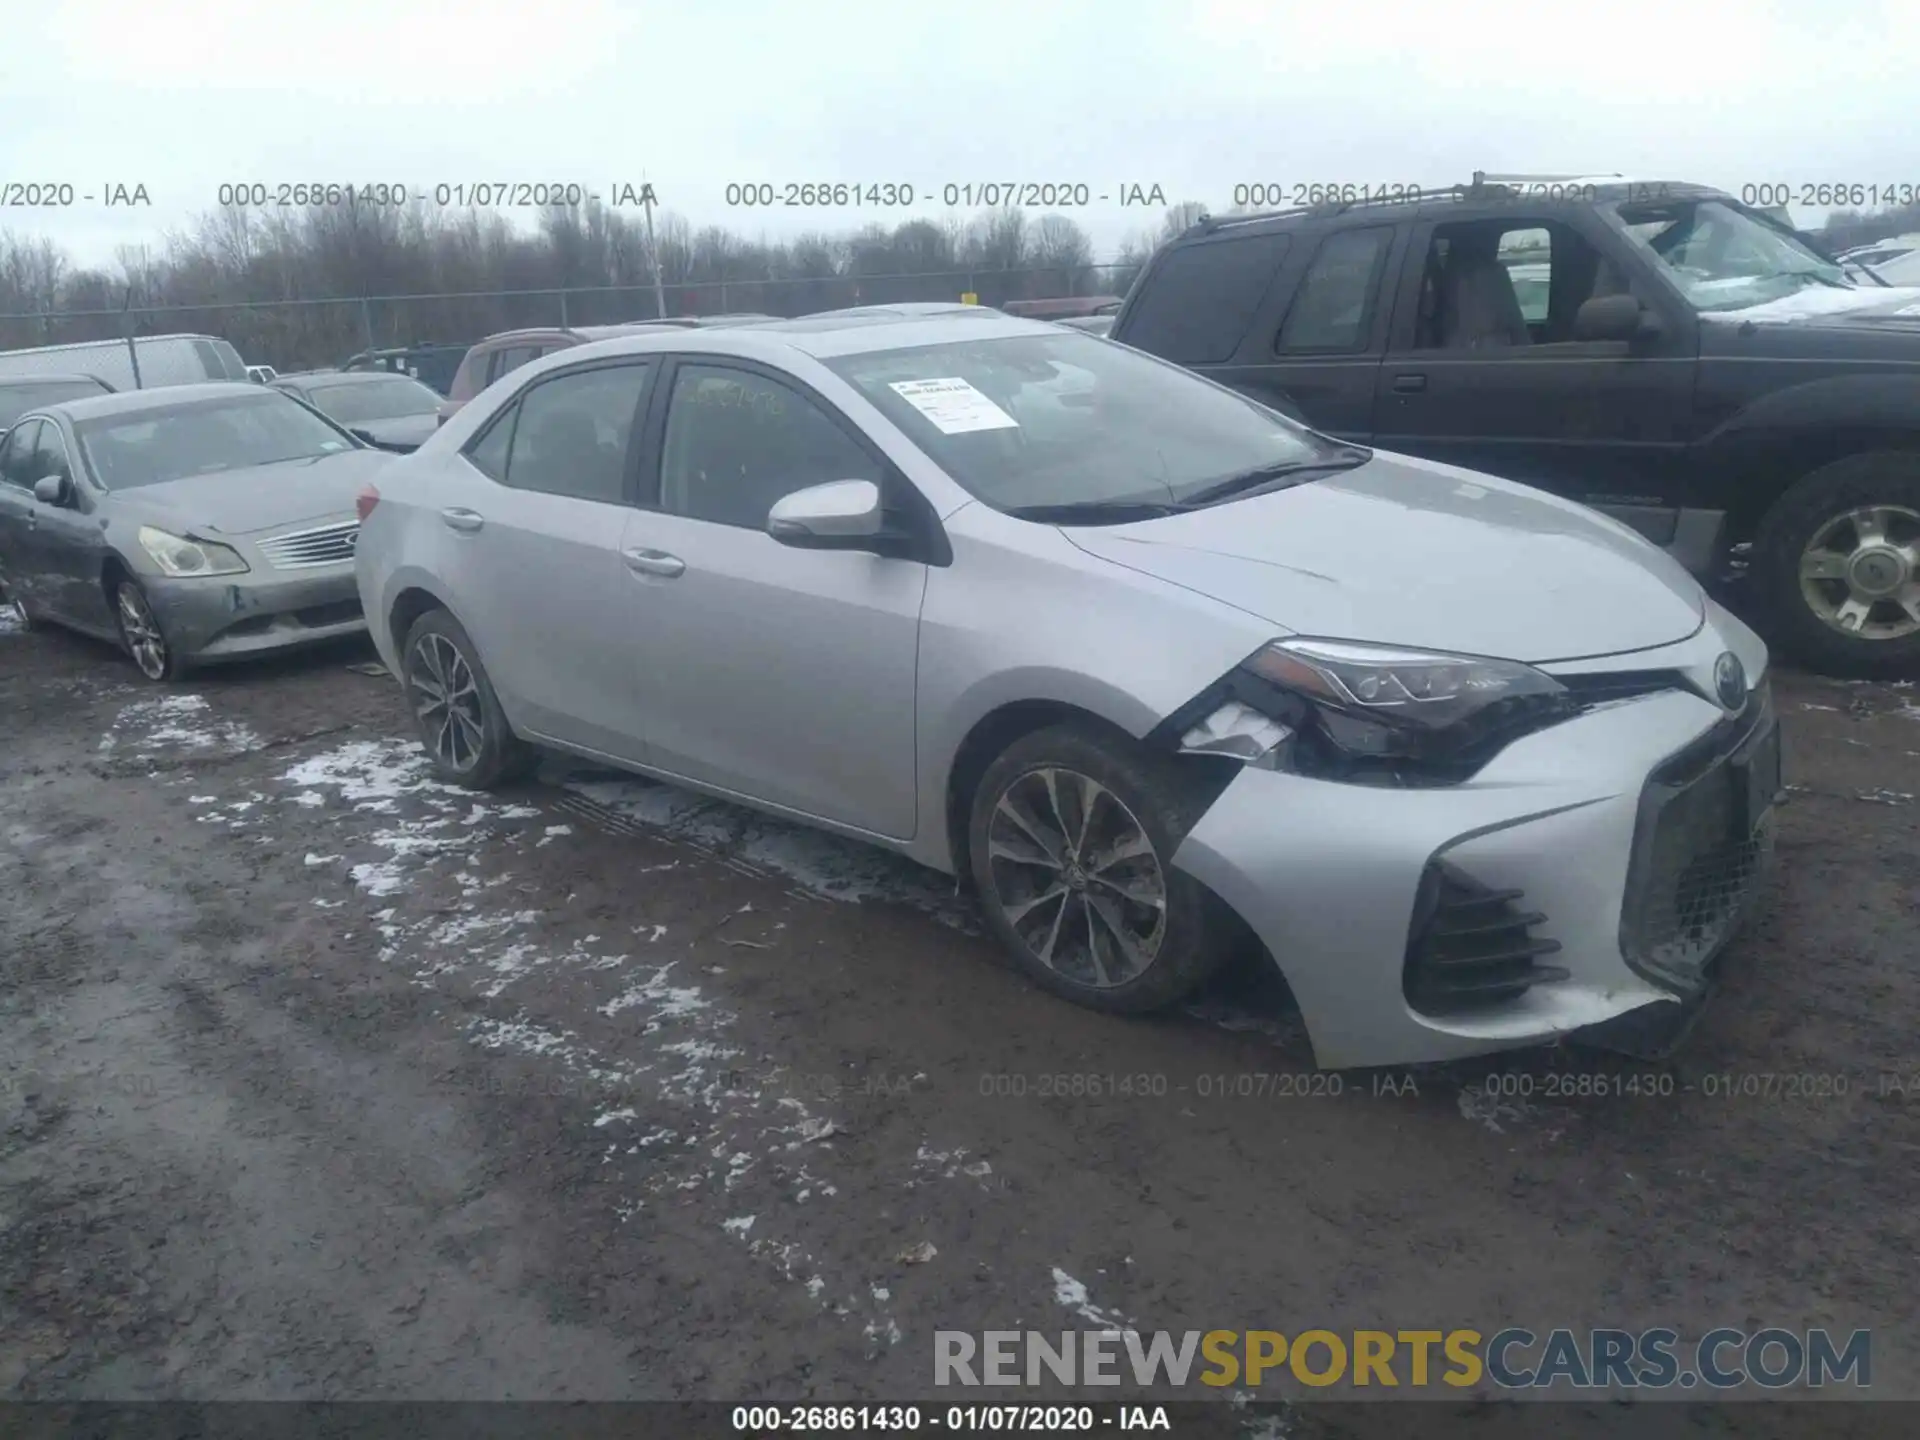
x,y
140,632
1838,563
1071,839
462,727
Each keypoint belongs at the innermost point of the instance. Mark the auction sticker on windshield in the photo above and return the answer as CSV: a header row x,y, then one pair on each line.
x,y
954,406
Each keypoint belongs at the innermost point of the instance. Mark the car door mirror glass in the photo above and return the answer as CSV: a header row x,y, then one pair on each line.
x,y
838,514
1610,317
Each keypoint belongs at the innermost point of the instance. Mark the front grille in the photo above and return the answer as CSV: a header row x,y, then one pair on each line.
x,y
1696,856
1472,946
316,617
304,549
1606,687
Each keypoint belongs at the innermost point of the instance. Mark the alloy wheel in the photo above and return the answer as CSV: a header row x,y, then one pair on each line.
x,y
144,639
1077,877
446,701
1860,573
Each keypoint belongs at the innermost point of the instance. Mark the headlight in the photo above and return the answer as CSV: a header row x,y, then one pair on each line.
x,y
176,556
1381,703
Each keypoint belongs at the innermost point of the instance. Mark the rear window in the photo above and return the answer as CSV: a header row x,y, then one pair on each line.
x,y
220,360
1199,299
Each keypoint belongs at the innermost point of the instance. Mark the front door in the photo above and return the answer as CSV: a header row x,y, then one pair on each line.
x,y
16,508
782,675
535,570
66,546
1483,370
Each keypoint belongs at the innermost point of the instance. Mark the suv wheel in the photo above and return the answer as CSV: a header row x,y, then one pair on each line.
x,y
1838,565
1070,841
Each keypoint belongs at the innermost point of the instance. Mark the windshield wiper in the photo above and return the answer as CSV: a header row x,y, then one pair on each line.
x,y
1271,477
1095,512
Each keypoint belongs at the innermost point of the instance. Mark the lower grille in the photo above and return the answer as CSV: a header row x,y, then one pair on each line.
x,y
340,612
1697,854
1472,946
302,549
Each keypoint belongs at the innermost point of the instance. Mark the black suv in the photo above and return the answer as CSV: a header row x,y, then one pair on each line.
x,y
1683,362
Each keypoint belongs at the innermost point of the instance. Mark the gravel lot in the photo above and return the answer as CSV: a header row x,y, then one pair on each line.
x,y
320,1080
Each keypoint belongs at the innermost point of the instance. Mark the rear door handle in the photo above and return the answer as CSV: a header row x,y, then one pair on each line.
x,y
461,519
1409,384
655,562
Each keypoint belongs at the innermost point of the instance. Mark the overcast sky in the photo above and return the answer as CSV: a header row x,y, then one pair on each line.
x,y
1196,98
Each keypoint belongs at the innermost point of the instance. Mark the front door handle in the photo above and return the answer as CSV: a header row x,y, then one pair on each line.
x,y
33,519
1409,384
460,518
655,562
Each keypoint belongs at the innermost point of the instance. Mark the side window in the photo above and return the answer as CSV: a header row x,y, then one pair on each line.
x,y
510,359
16,454
488,454
573,432
1334,306
1494,284
1200,298
50,453
1528,256
736,442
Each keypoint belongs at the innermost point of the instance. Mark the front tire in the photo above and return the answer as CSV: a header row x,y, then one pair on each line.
x,y
151,651
1070,841
1837,562
462,727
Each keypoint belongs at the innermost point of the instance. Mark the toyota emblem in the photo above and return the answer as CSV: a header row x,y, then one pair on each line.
x,y
1730,681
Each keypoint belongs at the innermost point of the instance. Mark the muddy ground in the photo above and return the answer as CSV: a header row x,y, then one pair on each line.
x,y
318,1080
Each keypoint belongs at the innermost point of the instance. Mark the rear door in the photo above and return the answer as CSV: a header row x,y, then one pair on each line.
x,y
1315,350
531,556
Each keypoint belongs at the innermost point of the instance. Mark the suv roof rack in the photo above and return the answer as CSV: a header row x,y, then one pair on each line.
x,y
1481,183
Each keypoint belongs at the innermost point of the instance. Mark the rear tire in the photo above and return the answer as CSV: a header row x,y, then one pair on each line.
x,y
462,727
1837,566
1070,841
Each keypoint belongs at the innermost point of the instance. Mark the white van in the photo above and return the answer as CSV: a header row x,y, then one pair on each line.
x,y
164,360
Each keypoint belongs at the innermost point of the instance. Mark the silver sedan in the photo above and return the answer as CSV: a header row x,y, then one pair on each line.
x,y
192,524
1148,665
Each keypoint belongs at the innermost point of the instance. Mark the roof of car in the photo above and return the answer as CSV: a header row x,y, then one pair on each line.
x,y
1543,193
12,380
161,397
341,377
908,307
830,335
591,333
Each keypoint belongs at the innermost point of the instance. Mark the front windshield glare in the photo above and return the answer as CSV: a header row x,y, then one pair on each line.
x,y
353,404
1723,257
1068,420
200,439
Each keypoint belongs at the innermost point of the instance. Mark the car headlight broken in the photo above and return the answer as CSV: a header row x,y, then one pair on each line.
x,y
177,556
1383,703
1238,731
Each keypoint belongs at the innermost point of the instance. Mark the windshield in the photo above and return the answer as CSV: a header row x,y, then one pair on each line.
x,y
153,447
16,400
355,402
1724,257
1067,420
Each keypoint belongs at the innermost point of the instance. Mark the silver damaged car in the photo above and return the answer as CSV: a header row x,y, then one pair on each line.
x,y
1144,663
192,524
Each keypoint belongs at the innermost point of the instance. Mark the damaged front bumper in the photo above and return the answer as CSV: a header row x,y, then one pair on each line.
x,y
212,619
1585,880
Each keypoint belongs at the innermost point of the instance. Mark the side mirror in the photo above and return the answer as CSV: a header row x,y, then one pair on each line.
x,y
1614,317
53,490
839,515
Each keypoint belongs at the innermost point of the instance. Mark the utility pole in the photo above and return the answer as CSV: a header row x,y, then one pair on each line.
x,y
653,250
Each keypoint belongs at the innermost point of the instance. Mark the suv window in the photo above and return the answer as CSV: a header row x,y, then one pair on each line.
x,y
1506,283
1200,298
572,432
510,359
16,455
1335,303
737,442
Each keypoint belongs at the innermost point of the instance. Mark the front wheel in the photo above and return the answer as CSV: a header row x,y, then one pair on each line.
x,y
462,727
1071,839
1838,565
140,632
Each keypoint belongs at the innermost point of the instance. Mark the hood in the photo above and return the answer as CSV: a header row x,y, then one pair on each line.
x,y
1412,552
1896,307
260,497
407,430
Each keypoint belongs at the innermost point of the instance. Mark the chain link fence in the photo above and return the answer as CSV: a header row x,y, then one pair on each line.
x,y
295,335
